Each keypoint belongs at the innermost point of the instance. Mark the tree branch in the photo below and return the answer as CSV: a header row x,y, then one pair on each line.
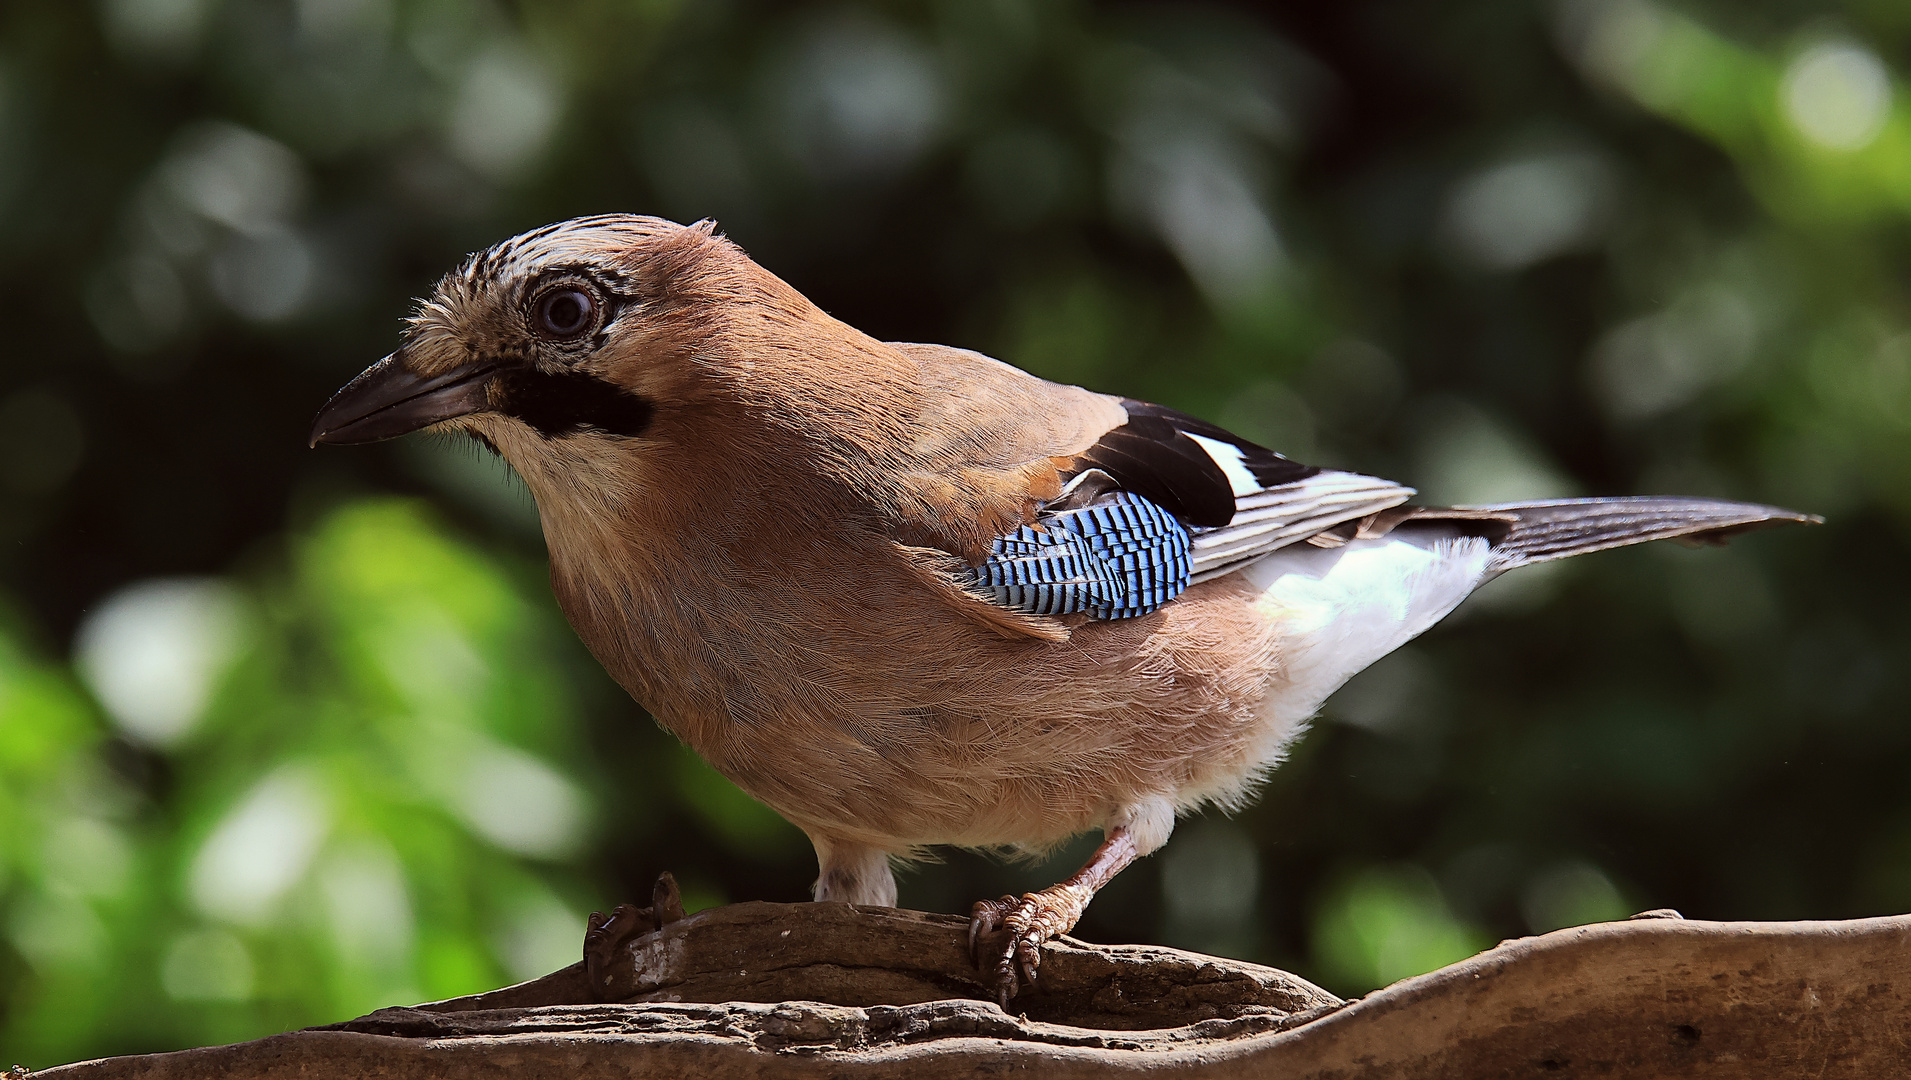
x,y
829,990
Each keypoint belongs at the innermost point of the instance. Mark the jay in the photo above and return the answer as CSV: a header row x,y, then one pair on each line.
x,y
907,595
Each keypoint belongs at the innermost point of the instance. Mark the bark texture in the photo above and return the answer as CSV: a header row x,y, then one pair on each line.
x,y
830,990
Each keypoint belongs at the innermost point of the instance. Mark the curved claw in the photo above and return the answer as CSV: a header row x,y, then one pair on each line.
x,y
1029,955
985,917
1005,982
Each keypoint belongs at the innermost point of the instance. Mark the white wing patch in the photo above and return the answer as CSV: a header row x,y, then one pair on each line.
x,y
1229,458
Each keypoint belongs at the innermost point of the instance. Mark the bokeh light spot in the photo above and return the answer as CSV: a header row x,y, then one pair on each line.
x,y
1838,95
265,278
858,97
1655,363
539,935
56,933
262,847
368,903
1386,923
1521,212
85,856
1465,457
163,30
236,177
504,112
518,802
153,651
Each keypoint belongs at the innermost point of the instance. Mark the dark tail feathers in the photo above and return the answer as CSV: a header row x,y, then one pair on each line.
x,y
1524,533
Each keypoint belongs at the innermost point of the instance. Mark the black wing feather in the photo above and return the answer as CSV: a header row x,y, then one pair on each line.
x,y
1152,456
1269,468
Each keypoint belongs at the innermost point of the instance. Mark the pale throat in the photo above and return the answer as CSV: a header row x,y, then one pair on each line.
x,y
585,486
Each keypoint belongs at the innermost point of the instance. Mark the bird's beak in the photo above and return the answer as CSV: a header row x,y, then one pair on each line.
x,y
388,400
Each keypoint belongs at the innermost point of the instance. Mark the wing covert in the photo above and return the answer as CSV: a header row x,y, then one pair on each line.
x,y
1117,558
1063,501
1239,500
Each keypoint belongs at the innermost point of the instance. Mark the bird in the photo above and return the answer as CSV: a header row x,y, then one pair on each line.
x,y
909,596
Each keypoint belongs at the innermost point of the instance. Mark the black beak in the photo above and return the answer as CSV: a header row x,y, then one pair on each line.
x,y
387,400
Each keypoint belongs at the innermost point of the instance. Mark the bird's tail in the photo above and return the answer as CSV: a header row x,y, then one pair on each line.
x,y
1541,531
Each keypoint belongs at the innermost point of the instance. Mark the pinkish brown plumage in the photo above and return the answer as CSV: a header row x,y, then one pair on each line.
x,y
775,532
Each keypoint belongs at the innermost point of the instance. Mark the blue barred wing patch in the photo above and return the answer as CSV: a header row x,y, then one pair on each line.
x,y
1119,558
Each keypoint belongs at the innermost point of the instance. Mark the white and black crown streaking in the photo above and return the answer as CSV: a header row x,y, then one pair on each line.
x,y
907,595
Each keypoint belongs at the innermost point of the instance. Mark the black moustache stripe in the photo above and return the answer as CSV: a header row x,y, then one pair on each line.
x,y
571,402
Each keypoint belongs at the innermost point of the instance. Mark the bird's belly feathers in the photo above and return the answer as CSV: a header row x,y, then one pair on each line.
x,y
912,725
909,726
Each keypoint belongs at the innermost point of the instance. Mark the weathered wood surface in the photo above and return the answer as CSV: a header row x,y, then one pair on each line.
x,y
826,990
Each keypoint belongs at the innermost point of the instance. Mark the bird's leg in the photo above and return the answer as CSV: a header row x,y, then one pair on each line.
x,y
1038,916
853,873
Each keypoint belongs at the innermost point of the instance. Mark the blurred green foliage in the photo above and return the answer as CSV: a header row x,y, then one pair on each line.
x,y
1389,922
289,735
384,800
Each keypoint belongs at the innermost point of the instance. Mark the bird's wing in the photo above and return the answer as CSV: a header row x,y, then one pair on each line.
x,y
1101,505
1240,500
1234,500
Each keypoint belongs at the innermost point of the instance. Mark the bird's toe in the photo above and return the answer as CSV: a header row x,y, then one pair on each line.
x,y
985,918
1025,923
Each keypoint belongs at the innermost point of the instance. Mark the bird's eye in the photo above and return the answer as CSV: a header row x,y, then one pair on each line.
x,y
563,314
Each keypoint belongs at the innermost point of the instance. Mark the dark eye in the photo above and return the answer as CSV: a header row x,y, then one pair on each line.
x,y
565,313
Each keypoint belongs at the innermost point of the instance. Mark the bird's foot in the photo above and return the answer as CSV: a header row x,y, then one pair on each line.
x,y
604,937
1026,922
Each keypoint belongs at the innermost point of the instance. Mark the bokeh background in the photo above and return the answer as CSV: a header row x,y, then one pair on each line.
x,y
287,735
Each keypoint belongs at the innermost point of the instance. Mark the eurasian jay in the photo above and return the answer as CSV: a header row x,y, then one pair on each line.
x,y
907,595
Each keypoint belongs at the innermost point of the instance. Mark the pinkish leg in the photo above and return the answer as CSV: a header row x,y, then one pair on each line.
x,y
1038,916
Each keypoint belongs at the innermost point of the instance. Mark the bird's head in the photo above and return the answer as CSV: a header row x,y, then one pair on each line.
x,y
645,379
555,342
